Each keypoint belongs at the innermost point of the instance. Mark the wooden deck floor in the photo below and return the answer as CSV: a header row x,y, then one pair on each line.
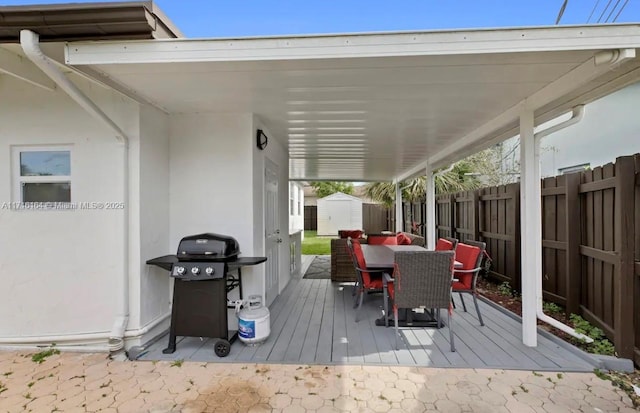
x,y
312,322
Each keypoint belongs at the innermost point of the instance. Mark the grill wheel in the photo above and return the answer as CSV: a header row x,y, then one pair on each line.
x,y
222,348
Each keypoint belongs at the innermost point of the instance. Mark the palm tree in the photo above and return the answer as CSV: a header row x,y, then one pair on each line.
x,y
414,190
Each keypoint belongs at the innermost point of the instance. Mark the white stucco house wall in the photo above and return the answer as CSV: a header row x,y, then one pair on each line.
x,y
75,268
608,128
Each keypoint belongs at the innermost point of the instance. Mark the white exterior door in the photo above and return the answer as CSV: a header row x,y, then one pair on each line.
x,y
339,216
273,237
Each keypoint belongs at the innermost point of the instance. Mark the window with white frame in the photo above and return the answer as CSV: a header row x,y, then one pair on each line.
x,y
292,202
42,174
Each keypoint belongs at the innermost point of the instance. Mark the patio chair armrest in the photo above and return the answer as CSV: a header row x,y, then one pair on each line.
x,y
369,270
468,271
387,278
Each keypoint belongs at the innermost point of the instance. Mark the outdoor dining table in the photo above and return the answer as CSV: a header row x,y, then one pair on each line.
x,y
382,256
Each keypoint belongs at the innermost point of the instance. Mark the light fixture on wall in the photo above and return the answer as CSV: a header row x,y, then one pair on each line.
x,y
261,139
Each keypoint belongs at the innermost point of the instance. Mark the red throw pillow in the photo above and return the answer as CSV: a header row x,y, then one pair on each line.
x,y
403,239
350,233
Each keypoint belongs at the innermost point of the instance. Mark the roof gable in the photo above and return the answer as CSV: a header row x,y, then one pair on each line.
x,y
340,196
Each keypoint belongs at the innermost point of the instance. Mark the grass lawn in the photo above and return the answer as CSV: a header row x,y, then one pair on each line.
x,y
315,245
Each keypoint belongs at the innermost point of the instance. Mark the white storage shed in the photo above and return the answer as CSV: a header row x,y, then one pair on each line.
x,y
339,211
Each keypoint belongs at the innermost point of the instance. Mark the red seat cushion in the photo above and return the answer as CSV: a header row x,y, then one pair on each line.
x,y
378,239
366,277
350,233
391,290
403,239
467,255
444,245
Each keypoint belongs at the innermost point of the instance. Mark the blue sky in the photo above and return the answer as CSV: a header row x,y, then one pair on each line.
x,y
215,18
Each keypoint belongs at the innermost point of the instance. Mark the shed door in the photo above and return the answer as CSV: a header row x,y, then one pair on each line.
x,y
339,215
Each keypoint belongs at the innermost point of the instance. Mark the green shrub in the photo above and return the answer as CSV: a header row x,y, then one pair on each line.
x,y
551,308
505,289
600,345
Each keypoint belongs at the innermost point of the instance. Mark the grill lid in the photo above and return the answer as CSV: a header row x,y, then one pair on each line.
x,y
209,247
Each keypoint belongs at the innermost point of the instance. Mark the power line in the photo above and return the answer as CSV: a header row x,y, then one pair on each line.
x,y
612,10
604,11
561,12
620,11
593,10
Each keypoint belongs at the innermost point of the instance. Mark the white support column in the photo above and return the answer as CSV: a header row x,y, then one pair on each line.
x,y
399,222
430,192
531,227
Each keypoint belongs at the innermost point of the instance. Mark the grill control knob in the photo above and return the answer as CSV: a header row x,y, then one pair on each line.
x,y
195,271
180,270
209,270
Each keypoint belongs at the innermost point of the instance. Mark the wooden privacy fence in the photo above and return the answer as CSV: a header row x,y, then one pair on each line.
x,y
310,218
590,241
375,218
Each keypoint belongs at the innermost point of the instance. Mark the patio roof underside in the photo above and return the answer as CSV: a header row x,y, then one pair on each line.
x,y
358,117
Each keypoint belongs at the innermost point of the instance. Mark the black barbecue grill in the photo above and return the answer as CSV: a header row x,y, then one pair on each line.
x,y
206,268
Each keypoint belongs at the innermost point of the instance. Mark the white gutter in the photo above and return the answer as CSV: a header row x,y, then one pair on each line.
x,y
576,116
75,342
31,47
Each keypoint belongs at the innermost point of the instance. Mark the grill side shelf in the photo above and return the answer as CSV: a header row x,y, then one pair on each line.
x,y
165,262
245,261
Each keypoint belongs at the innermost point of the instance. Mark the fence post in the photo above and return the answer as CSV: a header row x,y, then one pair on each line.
x,y
452,216
573,231
623,284
475,204
516,277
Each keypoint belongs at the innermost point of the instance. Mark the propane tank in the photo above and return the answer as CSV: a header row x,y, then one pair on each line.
x,y
254,324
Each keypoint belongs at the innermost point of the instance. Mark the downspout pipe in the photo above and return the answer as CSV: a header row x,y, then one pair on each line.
x,y
30,43
576,116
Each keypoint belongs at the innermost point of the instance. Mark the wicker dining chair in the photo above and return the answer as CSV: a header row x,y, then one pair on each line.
x,y
366,279
470,254
422,279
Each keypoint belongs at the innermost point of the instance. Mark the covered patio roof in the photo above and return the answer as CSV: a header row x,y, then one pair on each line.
x,y
375,107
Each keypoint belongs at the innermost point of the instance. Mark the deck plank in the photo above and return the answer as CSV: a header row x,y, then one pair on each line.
x,y
313,322
340,340
277,310
296,343
310,343
355,353
286,332
523,356
325,340
296,299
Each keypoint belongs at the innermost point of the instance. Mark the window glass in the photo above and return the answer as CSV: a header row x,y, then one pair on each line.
x,y
45,163
46,192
